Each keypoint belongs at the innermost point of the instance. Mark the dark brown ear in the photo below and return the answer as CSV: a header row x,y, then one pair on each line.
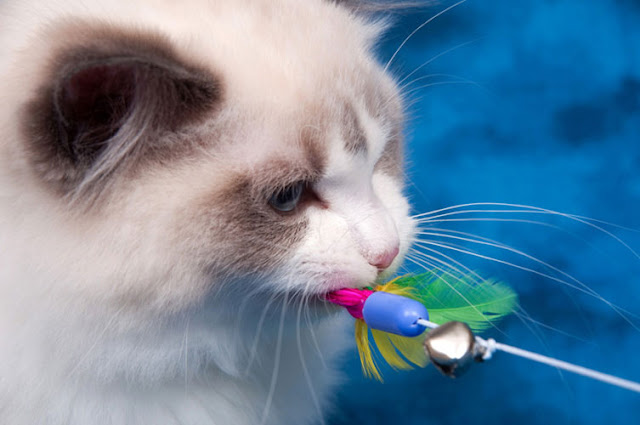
x,y
109,95
372,6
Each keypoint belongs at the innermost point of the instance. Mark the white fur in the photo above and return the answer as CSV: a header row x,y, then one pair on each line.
x,y
107,318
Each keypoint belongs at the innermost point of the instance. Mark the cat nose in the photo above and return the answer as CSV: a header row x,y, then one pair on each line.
x,y
385,258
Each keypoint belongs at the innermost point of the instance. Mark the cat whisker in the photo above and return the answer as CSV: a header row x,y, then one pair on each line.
x,y
276,365
509,249
305,369
431,265
430,76
97,339
463,250
520,314
428,216
521,208
528,209
492,243
425,23
312,333
493,219
457,269
621,312
444,83
445,233
534,328
256,339
439,55
186,356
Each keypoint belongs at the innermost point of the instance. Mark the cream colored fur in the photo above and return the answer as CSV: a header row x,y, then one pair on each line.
x,y
107,317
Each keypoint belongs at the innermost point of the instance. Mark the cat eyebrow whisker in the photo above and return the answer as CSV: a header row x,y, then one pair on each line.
x,y
437,56
453,79
425,23
443,83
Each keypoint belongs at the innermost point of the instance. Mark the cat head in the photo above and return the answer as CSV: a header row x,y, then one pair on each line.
x,y
186,149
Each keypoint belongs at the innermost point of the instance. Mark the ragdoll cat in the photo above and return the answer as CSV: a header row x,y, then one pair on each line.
x,y
180,182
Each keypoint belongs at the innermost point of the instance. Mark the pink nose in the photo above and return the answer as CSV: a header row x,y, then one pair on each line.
x,y
385,258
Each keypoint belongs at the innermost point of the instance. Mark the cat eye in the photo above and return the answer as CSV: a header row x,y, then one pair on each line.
x,y
288,198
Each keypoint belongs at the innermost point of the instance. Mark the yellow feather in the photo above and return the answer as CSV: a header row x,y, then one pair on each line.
x,y
364,349
388,351
411,348
392,288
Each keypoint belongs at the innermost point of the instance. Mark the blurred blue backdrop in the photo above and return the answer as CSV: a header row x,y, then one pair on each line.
x,y
536,103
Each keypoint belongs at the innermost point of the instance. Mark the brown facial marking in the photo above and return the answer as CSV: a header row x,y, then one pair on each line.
x,y
258,237
355,139
391,160
110,96
246,234
314,150
386,107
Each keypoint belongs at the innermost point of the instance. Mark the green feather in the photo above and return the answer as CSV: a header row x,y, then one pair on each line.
x,y
449,296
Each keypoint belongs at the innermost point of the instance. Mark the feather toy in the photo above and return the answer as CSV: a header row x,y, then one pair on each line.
x,y
389,314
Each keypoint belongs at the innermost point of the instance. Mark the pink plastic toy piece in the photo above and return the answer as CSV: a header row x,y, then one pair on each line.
x,y
351,298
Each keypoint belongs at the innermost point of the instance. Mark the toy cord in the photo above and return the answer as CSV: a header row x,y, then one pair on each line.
x,y
490,346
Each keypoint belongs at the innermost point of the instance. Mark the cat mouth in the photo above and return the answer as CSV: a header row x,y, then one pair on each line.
x,y
340,281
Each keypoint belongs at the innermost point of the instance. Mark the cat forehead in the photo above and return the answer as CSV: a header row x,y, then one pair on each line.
x,y
300,95
288,54
315,142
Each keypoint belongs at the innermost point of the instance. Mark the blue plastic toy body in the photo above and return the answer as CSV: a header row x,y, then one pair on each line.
x,y
394,314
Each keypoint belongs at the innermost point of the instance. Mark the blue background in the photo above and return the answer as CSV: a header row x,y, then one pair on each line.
x,y
543,110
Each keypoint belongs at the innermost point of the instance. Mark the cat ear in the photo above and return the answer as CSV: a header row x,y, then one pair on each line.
x,y
382,5
113,98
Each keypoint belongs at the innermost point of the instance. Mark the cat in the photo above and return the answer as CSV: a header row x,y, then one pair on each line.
x,y
180,183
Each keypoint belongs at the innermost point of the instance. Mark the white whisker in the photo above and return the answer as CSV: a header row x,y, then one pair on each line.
x,y
495,244
439,55
256,339
303,363
443,83
448,258
527,209
621,312
425,23
528,318
186,356
417,262
276,366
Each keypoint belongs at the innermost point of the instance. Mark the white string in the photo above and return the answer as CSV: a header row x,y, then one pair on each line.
x,y
490,345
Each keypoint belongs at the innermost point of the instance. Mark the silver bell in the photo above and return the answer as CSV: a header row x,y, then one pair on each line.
x,y
452,348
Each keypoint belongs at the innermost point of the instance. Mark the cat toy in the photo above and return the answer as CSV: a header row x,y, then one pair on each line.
x,y
433,317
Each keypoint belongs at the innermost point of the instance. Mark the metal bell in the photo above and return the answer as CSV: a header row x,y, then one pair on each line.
x,y
451,348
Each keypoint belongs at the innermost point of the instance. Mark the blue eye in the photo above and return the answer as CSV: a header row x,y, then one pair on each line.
x,y
288,198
